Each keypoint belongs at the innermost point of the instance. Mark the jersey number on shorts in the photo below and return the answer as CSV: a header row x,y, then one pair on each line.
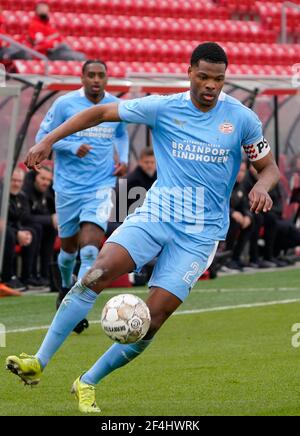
x,y
191,276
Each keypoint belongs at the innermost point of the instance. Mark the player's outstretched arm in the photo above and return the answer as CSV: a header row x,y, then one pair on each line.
x,y
83,120
268,176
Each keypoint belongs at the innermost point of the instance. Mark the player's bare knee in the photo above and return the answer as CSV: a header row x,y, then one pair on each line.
x,y
157,321
97,278
154,327
92,276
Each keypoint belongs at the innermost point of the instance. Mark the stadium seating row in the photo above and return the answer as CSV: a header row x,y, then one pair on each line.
x,y
158,37
269,13
246,6
149,50
146,27
154,8
123,69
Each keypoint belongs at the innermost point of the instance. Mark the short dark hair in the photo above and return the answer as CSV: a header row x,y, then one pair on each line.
x,y
209,52
93,61
46,168
41,3
147,151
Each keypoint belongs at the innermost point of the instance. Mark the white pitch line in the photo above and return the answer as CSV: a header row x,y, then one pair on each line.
x,y
194,291
238,306
182,312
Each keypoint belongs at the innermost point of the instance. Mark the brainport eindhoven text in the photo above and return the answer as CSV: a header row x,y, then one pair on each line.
x,y
200,152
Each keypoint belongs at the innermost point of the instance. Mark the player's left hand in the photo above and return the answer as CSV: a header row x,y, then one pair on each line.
x,y
259,199
120,169
36,155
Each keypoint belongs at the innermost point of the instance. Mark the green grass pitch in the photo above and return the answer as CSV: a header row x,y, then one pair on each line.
x,y
227,352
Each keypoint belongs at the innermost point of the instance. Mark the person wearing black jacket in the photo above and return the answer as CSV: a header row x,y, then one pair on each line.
x,y
142,177
130,194
241,221
131,191
18,232
258,221
37,188
278,232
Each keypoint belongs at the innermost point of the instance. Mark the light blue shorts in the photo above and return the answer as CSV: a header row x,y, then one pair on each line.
x,y
181,258
72,210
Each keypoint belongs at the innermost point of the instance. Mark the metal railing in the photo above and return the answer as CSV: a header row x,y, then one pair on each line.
x,y
13,92
285,6
28,50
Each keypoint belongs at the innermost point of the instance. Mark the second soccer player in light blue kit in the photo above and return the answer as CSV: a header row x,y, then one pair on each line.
x,y
84,174
198,137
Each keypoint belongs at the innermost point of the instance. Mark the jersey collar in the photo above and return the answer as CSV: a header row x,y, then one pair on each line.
x,y
82,94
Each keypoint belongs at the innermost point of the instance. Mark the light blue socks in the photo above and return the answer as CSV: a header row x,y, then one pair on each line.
x,y
88,255
116,356
66,262
74,307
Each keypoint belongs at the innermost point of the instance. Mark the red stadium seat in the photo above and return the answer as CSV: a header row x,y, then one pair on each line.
x,y
83,24
121,282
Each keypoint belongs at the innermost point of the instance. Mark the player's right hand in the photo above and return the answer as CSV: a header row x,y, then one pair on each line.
x,y
83,150
36,155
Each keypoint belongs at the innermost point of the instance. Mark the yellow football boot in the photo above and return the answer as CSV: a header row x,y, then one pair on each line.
x,y
86,396
26,367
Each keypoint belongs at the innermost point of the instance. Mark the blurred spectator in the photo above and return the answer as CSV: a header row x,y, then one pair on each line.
x,y
255,261
37,187
130,194
279,234
145,172
7,50
44,38
144,175
142,178
131,190
294,166
271,225
240,221
18,232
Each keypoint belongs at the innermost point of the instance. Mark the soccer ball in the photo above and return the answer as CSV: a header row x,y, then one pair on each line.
x,y
125,318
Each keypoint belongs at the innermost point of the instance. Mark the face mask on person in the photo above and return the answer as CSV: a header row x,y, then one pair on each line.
x,y
44,17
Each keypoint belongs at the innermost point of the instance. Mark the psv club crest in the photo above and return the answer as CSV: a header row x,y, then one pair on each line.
x,y
226,128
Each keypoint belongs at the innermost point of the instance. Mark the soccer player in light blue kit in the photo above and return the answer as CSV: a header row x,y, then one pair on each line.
x,y
84,174
198,137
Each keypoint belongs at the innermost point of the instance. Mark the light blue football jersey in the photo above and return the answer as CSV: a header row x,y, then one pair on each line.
x,y
74,175
198,157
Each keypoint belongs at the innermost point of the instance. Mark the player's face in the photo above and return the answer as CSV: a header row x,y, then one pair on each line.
x,y
43,180
207,80
94,80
